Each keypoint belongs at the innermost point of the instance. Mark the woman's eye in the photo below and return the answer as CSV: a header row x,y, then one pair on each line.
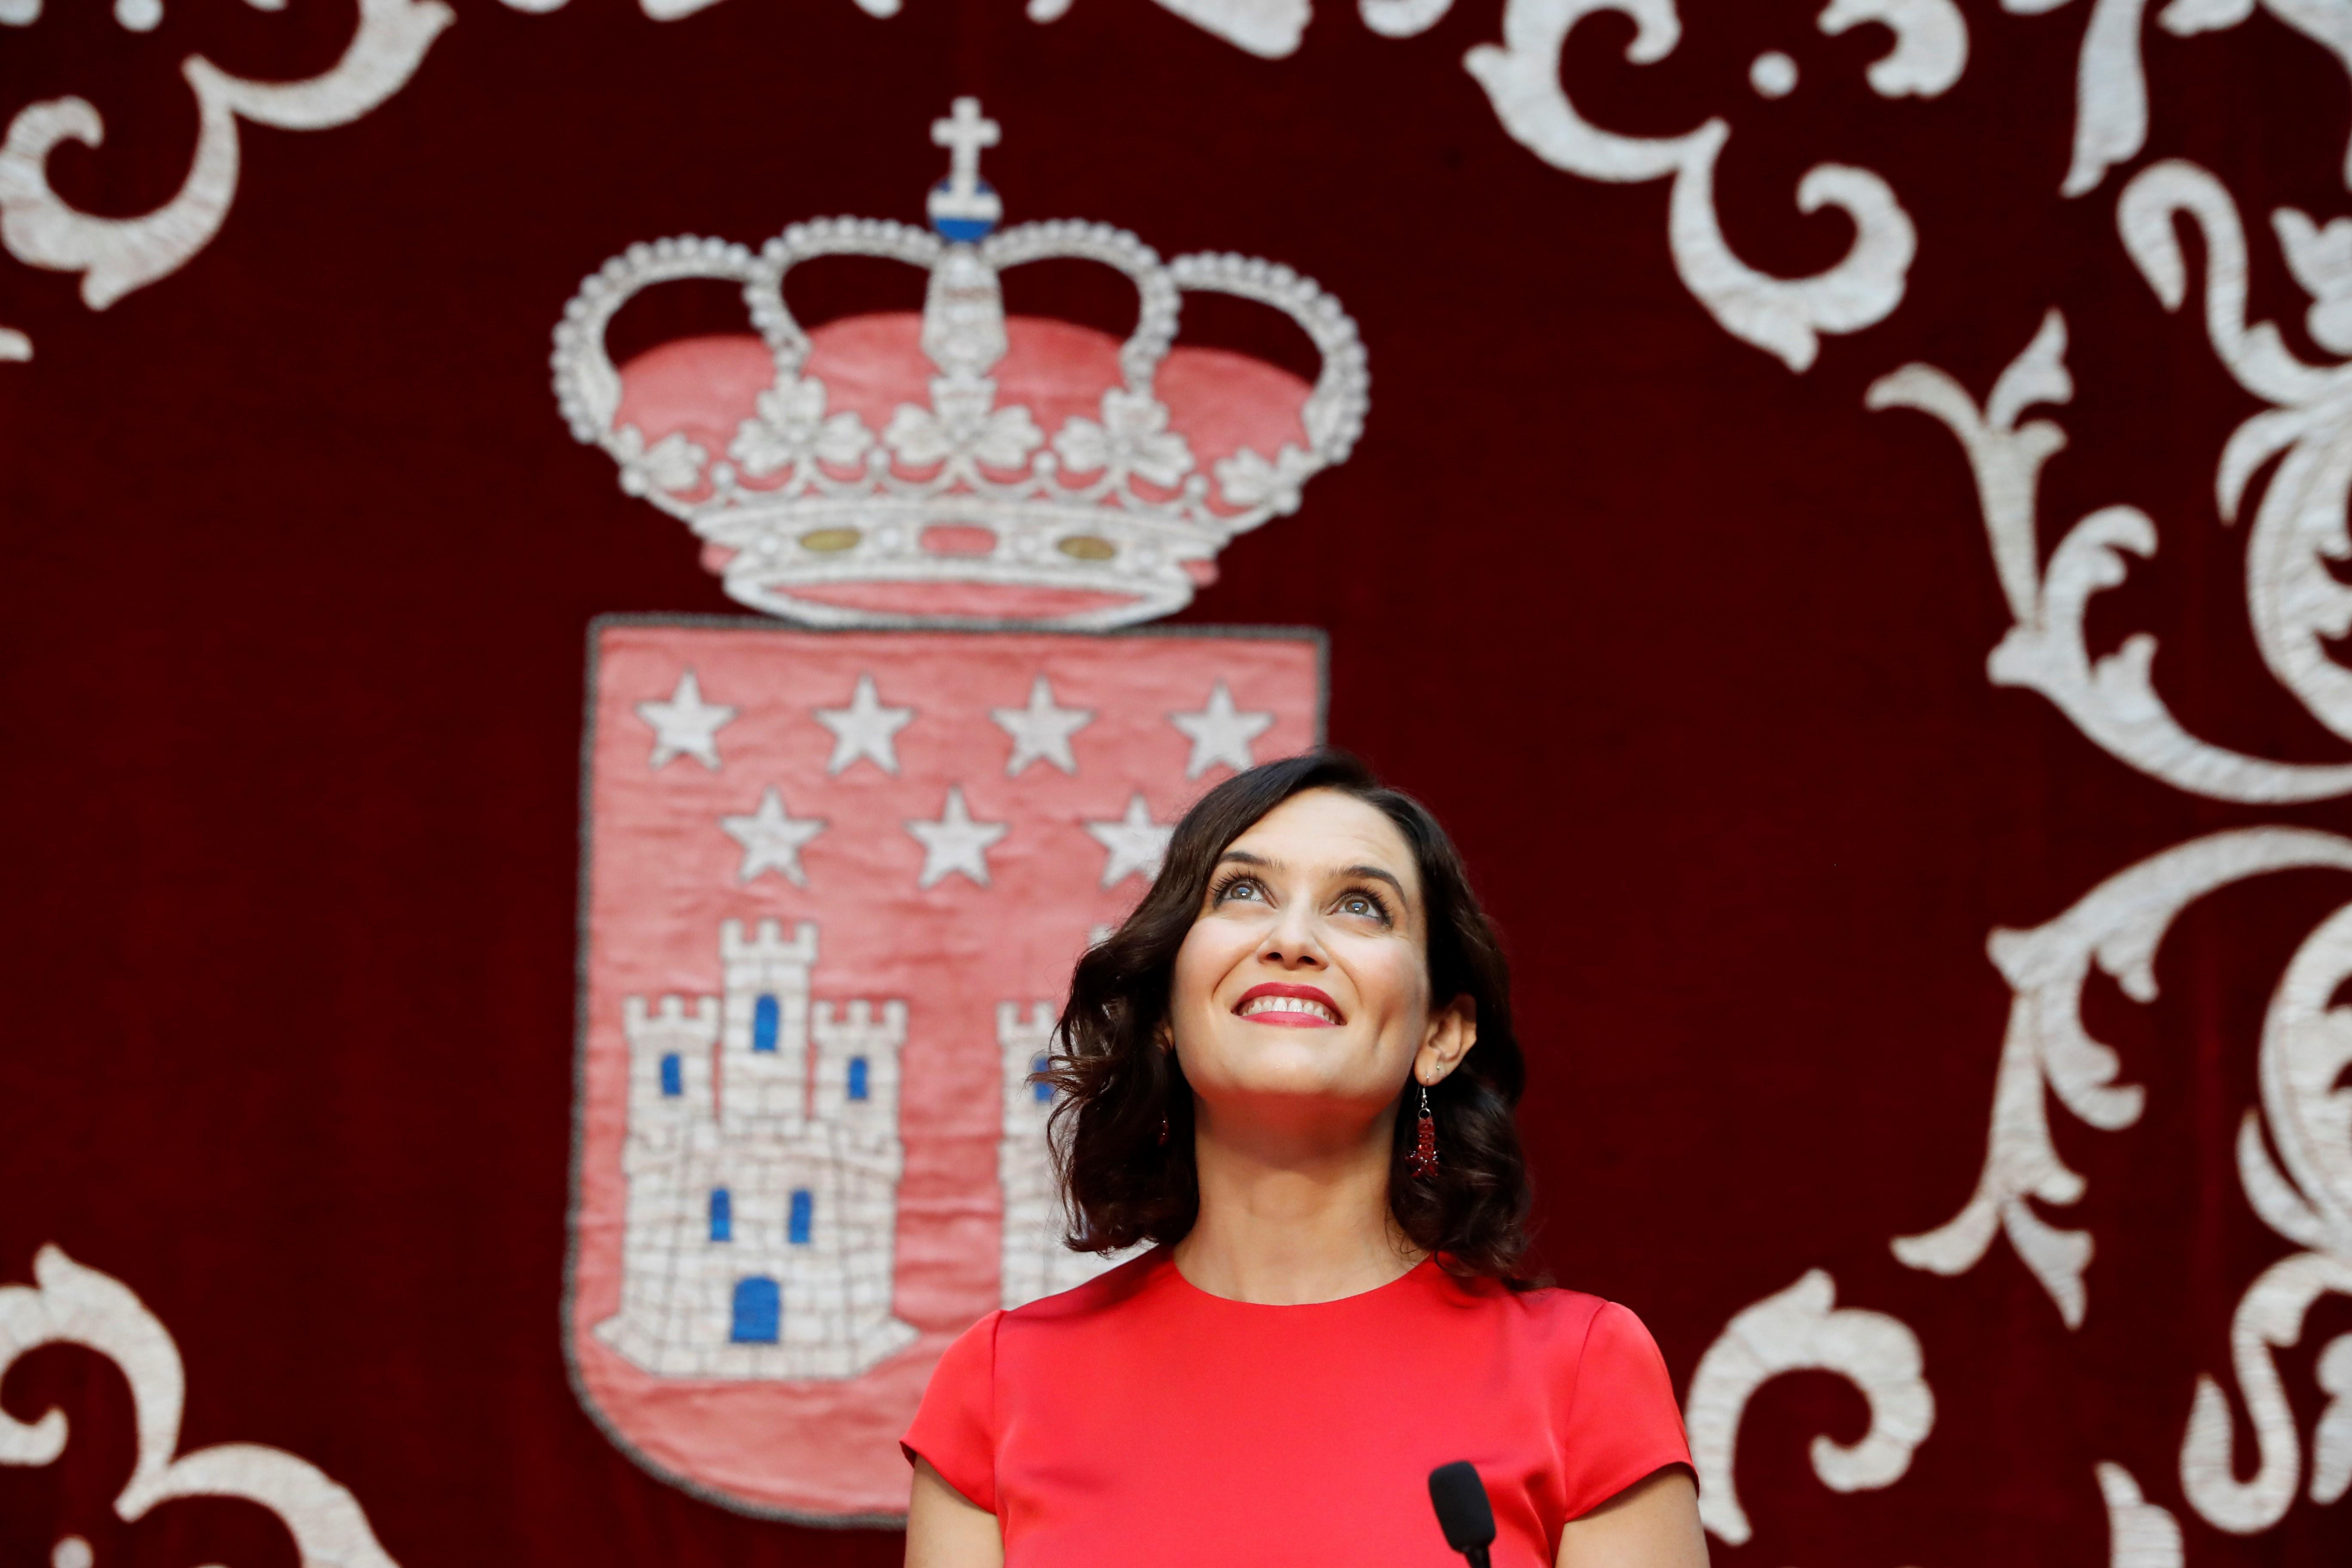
x,y
1242,888
1358,904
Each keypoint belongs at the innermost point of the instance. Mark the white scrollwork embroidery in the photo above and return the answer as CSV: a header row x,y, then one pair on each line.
x,y
2139,1533
1269,29
115,256
1403,18
2303,439
2306,1047
2111,85
2298,604
2331,1437
2113,699
72,1304
1931,43
1780,315
2119,924
1797,1330
2321,260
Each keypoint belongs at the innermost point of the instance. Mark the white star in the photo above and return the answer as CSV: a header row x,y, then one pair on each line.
x,y
1136,842
1041,732
1221,734
955,842
771,839
864,728
685,726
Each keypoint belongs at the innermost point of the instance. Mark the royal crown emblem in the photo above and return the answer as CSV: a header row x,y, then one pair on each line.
x,y
961,467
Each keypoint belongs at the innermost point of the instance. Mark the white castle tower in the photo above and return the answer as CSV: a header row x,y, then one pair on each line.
x,y
762,1200
1036,1262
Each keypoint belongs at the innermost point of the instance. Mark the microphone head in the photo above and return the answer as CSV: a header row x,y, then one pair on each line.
x,y
1463,1510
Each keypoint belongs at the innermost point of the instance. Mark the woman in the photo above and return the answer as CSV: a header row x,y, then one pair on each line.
x,y
1292,1069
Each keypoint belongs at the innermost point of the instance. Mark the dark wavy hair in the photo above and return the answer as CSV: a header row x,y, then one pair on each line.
x,y
1123,1183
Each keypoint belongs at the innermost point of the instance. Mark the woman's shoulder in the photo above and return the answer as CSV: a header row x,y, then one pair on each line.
x,y
1609,1398
1569,1322
1002,1343
1602,1364
1082,1304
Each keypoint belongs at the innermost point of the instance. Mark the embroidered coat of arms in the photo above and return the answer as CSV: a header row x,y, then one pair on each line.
x,y
838,861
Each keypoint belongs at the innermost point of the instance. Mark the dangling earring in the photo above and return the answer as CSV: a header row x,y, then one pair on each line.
x,y
1424,1157
1163,1132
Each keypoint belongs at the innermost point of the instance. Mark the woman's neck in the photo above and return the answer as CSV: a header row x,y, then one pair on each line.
x,y
1285,1225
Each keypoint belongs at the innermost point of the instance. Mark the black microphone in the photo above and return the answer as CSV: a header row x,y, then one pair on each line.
x,y
1463,1510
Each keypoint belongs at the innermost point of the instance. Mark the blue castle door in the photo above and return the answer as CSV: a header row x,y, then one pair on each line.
x,y
758,1311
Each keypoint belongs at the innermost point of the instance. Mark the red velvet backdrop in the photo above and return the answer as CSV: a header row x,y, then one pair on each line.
x,y
1688,648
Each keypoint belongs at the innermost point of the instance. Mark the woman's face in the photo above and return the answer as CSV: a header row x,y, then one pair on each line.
x,y
1301,992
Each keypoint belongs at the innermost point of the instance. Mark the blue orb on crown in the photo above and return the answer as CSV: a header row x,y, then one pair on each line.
x,y
964,217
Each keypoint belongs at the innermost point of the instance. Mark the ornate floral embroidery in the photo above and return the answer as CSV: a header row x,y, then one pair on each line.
x,y
115,256
2295,1153
790,428
2296,602
69,1304
1796,1329
2111,84
963,426
673,464
1783,316
1133,437
1249,479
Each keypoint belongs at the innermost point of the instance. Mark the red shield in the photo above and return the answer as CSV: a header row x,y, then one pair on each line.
x,y
834,885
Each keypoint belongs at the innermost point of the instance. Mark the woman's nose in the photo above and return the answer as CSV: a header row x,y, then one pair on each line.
x,y
1292,945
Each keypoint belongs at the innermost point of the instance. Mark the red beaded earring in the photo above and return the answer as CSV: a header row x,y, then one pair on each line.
x,y
1424,1157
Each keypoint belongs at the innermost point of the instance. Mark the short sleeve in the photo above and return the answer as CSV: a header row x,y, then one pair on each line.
x,y
955,1427
1621,1424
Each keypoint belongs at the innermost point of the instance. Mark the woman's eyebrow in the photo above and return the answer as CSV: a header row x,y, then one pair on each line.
x,y
1374,872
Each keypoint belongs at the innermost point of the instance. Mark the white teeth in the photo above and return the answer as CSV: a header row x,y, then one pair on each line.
x,y
1257,1004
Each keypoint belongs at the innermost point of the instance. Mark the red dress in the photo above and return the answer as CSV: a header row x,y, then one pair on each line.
x,y
1138,1421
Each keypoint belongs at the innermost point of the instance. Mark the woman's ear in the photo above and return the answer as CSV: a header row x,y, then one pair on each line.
x,y
1452,1030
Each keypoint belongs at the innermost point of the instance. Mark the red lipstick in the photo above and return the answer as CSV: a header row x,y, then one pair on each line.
x,y
1291,1018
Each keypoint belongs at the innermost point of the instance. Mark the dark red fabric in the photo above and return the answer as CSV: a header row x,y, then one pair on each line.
x,y
1140,1419
1688,651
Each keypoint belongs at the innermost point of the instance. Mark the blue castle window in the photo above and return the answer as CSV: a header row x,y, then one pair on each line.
x,y
857,1078
796,1229
758,1311
722,1214
1038,1087
673,1076
767,1022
